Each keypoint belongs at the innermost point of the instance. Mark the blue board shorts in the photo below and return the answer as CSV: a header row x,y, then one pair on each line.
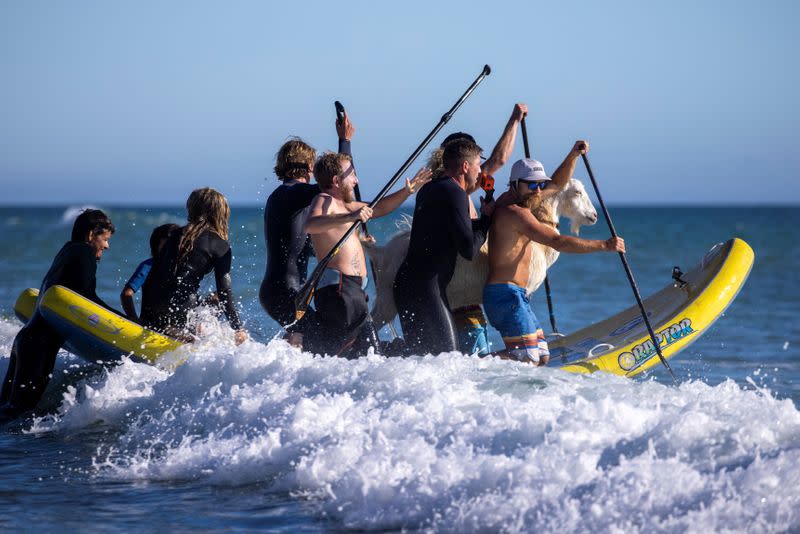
x,y
508,309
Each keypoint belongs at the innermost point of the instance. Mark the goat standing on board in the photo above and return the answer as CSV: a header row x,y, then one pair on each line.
x,y
515,228
465,291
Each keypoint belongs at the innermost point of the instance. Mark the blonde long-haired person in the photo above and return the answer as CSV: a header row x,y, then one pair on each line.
x,y
192,252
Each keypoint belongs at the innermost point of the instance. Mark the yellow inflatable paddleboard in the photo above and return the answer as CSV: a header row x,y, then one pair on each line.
x,y
679,314
91,331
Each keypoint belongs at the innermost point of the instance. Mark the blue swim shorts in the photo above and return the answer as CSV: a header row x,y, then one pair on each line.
x,y
508,309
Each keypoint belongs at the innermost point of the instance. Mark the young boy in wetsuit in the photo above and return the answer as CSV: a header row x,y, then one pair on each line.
x,y
340,297
157,241
33,354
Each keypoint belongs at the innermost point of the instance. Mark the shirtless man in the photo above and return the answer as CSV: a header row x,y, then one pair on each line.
x,y
514,229
340,299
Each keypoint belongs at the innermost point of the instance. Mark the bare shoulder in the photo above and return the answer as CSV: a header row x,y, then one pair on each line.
x,y
515,212
321,202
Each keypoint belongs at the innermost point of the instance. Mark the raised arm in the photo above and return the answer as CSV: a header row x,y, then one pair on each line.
x,y
505,146
389,203
534,230
564,172
345,131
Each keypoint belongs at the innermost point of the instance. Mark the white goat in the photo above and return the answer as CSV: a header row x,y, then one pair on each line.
x,y
466,287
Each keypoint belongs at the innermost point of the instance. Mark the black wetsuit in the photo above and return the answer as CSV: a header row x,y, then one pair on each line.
x,y
33,354
170,292
441,230
345,325
288,250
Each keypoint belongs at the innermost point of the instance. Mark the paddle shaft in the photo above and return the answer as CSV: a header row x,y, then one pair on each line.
x,y
340,113
546,279
306,293
628,271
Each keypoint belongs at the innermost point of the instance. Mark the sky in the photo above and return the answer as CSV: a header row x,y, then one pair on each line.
x,y
138,103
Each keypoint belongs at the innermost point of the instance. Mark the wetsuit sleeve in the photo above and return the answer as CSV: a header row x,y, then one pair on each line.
x,y
344,147
222,274
87,279
467,236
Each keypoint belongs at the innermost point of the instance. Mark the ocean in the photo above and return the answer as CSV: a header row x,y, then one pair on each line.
x,y
263,437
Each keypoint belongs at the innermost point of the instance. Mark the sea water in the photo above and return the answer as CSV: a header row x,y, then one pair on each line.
x,y
262,436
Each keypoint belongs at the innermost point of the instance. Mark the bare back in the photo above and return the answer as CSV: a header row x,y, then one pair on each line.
x,y
350,258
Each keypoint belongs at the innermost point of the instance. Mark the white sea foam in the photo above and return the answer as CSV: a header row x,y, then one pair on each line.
x,y
449,442
71,213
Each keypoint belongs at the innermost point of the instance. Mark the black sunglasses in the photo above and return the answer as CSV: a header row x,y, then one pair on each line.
x,y
533,186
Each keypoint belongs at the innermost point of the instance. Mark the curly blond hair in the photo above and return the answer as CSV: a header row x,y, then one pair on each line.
x,y
294,160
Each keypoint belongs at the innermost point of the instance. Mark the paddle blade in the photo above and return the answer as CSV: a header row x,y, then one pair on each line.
x,y
302,301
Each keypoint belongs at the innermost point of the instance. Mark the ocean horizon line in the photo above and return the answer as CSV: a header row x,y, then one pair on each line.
x,y
248,205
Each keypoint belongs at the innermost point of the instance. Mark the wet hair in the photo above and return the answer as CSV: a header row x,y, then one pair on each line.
x,y
455,136
435,163
458,151
90,220
207,210
327,166
159,234
294,159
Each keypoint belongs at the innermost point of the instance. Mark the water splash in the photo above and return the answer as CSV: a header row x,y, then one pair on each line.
x,y
447,442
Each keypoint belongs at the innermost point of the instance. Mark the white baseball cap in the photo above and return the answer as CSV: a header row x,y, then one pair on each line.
x,y
529,170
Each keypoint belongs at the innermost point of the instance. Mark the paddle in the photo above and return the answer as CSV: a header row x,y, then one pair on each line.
x,y
306,293
340,119
546,278
628,270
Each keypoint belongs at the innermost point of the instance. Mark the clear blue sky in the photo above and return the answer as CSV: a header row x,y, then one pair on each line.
x,y
140,102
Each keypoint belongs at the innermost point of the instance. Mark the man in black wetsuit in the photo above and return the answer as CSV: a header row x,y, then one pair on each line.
x,y
33,354
288,245
441,230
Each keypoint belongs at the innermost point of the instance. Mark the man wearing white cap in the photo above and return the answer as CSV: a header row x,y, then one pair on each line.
x,y
513,230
